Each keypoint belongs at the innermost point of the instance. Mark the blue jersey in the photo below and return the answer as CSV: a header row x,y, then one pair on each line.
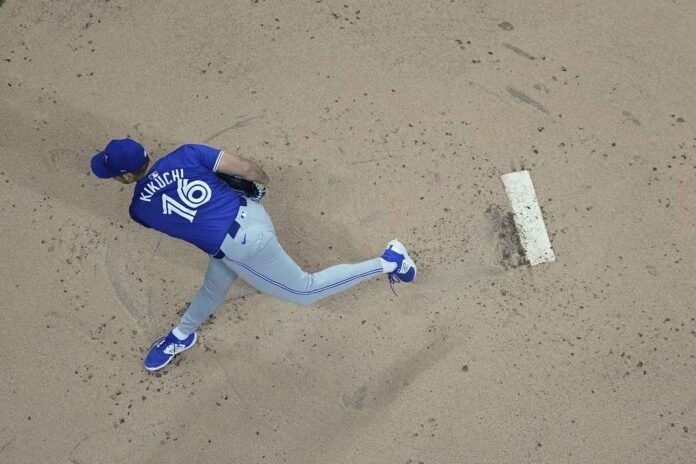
x,y
183,197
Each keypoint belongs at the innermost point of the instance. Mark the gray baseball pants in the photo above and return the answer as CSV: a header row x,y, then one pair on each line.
x,y
255,255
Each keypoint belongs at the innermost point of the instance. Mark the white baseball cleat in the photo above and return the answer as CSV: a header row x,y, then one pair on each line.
x,y
405,267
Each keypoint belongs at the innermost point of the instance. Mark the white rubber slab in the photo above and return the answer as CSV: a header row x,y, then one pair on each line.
x,y
528,220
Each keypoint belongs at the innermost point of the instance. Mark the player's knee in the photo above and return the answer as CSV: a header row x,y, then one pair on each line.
x,y
213,292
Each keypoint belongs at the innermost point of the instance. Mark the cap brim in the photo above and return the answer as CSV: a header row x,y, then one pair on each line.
x,y
99,168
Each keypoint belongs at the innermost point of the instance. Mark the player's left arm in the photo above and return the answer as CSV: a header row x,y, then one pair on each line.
x,y
235,165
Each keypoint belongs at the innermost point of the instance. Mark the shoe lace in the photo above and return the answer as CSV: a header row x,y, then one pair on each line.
x,y
392,280
162,343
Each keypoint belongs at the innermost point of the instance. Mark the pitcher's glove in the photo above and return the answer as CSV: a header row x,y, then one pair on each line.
x,y
252,190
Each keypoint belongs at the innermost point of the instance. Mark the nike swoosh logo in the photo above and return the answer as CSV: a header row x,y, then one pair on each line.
x,y
244,240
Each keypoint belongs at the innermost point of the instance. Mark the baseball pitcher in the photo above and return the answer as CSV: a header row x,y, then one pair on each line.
x,y
186,194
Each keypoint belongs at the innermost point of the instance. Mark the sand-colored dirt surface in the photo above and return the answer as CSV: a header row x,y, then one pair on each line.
x,y
375,120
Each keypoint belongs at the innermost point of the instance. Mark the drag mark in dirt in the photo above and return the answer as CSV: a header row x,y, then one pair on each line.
x,y
525,99
371,160
73,460
518,51
115,267
4,447
242,122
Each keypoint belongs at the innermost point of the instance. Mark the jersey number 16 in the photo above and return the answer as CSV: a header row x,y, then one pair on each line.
x,y
191,194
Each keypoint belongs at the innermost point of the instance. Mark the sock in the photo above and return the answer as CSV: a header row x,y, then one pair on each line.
x,y
387,266
179,334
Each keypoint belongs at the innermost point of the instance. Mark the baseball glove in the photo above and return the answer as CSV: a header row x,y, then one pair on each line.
x,y
252,190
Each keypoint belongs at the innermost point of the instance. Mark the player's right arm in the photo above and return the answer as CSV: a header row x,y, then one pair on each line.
x,y
235,165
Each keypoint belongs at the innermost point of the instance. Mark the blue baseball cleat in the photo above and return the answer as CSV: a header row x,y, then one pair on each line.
x,y
164,350
405,267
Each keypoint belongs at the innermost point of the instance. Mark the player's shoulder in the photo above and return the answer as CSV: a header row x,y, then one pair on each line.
x,y
179,154
193,150
189,147
192,156
182,149
194,147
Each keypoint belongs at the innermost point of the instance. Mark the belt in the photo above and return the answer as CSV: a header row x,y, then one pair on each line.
x,y
234,228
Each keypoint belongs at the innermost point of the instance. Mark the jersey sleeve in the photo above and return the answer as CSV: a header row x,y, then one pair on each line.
x,y
207,156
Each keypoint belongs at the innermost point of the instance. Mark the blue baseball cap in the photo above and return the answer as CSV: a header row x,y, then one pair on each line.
x,y
119,157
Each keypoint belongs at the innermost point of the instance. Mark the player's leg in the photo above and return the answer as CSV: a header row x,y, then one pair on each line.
x,y
216,283
269,269
255,255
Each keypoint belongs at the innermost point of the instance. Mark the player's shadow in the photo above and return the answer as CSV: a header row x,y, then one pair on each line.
x,y
314,238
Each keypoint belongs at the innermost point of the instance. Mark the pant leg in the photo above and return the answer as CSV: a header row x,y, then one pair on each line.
x,y
260,260
217,282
